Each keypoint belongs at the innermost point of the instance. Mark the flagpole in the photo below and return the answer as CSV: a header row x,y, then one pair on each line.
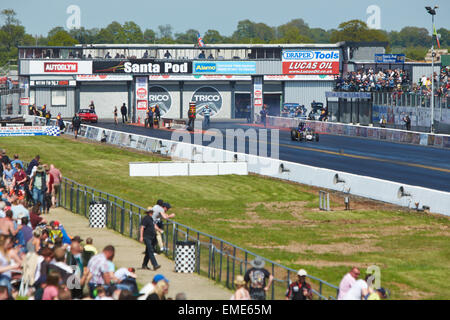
x,y
432,77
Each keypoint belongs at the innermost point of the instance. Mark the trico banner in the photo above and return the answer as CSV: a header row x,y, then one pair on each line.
x,y
207,96
29,131
310,62
158,95
224,67
59,67
142,66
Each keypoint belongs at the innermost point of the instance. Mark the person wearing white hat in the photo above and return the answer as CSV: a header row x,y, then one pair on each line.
x,y
300,289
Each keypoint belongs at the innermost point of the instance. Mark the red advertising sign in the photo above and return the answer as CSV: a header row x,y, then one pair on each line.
x,y
61,67
141,93
141,105
24,101
311,67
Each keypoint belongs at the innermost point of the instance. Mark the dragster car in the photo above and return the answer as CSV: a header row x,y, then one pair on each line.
x,y
303,133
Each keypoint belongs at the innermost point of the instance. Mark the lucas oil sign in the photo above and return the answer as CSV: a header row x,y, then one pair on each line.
x,y
159,96
207,96
311,62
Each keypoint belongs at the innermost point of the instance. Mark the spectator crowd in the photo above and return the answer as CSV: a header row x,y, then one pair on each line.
x,y
367,80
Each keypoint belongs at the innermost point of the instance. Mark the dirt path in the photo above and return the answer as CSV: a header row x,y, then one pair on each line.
x,y
129,254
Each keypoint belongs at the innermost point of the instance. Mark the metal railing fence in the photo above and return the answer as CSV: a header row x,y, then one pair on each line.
x,y
217,259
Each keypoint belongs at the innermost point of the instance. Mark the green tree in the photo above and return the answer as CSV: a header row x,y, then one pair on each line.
x,y
165,32
61,38
133,33
83,35
190,36
117,32
291,34
213,36
319,35
412,37
445,37
104,36
149,36
416,53
358,31
300,24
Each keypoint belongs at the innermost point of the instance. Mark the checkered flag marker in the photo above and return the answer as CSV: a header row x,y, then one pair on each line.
x,y
52,131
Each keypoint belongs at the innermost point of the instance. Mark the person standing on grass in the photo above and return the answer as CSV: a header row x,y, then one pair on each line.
x,y
76,123
256,279
147,236
347,282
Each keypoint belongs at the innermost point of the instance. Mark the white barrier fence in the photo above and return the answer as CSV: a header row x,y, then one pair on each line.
x,y
158,169
368,187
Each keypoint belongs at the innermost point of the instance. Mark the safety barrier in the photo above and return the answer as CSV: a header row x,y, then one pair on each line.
x,y
217,259
393,135
372,188
157,169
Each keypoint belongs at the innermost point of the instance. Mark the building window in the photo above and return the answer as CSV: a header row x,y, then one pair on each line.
x,y
59,98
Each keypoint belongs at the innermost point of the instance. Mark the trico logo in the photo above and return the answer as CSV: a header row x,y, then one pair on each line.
x,y
207,96
60,67
159,96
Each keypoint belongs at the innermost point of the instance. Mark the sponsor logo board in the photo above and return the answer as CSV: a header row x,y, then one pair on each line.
x,y
313,62
224,67
158,95
207,96
59,67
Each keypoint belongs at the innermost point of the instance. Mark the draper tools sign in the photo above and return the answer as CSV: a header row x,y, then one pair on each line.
x,y
207,96
142,66
310,62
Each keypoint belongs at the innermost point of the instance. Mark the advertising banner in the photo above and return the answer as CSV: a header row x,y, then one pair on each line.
x,y
224,67
141,93
142,66
198,77
29,131
258,98
104,77
300,77
53,83
158,95
389,58
60,67
310,62
24,101
207,96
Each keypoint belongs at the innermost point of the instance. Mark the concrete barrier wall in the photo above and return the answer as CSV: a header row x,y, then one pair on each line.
x,y
372,188
156,169
393,135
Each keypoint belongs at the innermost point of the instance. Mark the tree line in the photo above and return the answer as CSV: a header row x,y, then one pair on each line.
x,y
413,41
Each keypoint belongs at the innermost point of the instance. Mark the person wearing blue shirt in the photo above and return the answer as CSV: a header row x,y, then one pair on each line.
x,y
16,160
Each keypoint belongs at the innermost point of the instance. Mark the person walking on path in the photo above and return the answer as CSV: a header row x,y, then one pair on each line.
x,y
256,278
148,236
123,110
76,123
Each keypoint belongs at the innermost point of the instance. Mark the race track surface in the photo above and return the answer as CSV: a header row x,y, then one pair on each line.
x,y
427,167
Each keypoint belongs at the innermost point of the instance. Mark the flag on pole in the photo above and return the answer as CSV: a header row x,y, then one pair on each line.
x,y
437,37
200,40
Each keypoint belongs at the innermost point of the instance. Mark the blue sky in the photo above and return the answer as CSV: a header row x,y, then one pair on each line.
x,y
39,16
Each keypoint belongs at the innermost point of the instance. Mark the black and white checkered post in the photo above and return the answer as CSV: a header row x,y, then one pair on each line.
x,y
97,214
185,256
